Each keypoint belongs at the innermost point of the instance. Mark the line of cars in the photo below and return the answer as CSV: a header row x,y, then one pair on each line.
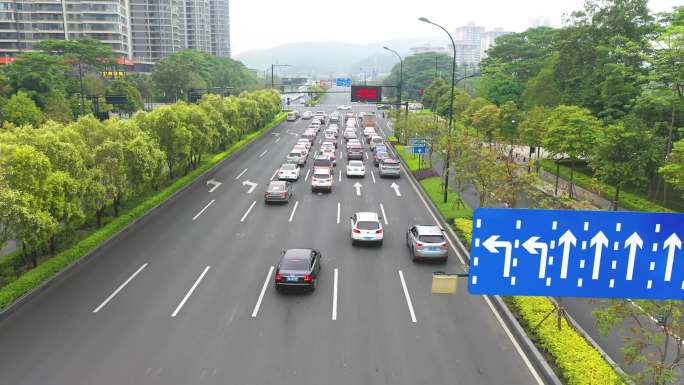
x,y
301,267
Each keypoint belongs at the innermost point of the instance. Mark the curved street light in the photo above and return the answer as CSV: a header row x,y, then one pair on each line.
x,y
451,106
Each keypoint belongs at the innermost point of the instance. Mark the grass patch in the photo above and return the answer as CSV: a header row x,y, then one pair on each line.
x,y
411,160
628,200
32,278
453,208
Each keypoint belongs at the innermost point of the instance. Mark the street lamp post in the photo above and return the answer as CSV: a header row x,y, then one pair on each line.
x,y
451,107
401,77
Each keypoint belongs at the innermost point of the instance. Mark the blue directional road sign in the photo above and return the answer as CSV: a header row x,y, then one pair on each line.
x,y
343,82
577,253
419,149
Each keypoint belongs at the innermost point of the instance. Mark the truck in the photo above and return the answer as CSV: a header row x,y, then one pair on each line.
x,y
368,120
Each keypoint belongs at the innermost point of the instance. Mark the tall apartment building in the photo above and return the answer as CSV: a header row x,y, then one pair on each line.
x,y
468,44
26,22
488,39
158,28
220,28
197,25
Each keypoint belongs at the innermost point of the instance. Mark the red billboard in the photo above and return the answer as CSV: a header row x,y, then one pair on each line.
x,y
372,94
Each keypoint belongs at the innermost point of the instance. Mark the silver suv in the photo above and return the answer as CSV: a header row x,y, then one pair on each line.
x,y
427,242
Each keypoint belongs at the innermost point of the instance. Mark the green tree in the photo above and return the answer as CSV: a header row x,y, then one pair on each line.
x,y
173,137
620,154
570,133
420,70
22,110
134,100
57,107
486,121
542,89
532,129
37,74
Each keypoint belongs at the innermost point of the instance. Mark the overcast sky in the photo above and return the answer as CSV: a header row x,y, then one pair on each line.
x,y
256,24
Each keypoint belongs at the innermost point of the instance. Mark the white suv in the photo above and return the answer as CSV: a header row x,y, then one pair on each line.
x,y
366,227
322,179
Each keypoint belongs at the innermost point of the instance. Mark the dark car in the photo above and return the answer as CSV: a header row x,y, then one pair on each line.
x,y
298,268
379,156
278,191
354,152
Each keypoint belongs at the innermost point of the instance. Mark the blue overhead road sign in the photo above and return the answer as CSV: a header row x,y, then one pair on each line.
x,y
343,82
603,254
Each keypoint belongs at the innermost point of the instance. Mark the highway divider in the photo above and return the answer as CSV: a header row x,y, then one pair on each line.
x,y
20,291
573,358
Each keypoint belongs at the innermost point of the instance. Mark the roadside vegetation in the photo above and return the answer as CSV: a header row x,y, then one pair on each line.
x,y
67,187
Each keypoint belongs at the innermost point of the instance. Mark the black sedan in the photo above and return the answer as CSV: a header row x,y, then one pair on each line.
x,y
298,268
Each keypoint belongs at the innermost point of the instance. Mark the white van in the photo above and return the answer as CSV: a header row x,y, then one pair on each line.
x,y
292,116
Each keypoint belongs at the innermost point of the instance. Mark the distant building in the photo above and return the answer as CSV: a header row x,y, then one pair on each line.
x,y
158,28
427,48
539,22
488,39
220,28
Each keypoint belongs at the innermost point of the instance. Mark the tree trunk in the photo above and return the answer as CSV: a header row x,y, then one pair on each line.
x,y
53,245
555,192
34,258
98,216
529,161
571,186
616,198
117,202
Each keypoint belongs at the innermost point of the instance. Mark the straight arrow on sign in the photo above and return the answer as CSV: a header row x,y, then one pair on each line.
x,y
633,242
567,239
251,185
599,241
671,244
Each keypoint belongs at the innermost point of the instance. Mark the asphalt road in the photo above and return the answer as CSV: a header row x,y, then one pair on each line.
x,y
182,299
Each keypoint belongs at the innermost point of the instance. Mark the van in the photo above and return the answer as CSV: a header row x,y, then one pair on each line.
x,y
292,116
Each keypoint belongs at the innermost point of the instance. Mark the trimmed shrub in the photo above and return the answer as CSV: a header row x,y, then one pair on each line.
x,y
464,229
453,208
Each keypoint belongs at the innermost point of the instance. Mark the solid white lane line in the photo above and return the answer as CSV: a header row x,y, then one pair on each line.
x,y
408,297
263,153
294,209
263,291
307,175
373,176
247,212
189,293
241,174
384,216
201,211
118,289
334,309
338,212
274,174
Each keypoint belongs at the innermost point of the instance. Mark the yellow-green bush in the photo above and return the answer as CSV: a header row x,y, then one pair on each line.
x,y
578,363
464,229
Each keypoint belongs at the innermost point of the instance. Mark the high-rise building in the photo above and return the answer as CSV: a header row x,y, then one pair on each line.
x,y
197,25
539,22
158,28
488,39
220,28
470,33
468,42
26,22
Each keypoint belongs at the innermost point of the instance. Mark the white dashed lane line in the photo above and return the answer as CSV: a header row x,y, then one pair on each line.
x,y
189,293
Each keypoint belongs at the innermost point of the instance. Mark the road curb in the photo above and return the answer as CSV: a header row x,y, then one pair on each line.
x,y
104,246
533,354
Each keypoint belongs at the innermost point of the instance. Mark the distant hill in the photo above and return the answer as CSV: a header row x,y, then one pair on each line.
x,y
332,58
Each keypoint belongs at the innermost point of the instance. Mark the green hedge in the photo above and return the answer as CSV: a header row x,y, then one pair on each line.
x,y
628,200
32,278
411,160
464,229
577,362
449,210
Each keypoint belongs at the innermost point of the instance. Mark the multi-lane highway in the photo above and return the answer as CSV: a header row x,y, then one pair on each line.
x,y
188,297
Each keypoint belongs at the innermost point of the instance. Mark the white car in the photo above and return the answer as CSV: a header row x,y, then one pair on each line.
x,y
307,115
369,131
375,140
356,168
343,107
333,126
366,227
322,179
353,142
304,142
288,171
297,156
349,134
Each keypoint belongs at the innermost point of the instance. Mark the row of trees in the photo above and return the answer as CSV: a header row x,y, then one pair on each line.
x,y
61,80
56,177
617,63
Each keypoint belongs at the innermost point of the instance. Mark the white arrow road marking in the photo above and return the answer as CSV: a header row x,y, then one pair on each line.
x,y
567,239
408,297
294,209
251,185
189,293
263,291
334,309
241,174
118,289
395,187
263,153
671,243
358,186
384,216
491,244
599,241
201,211
247,212
531,245
633,242
214,183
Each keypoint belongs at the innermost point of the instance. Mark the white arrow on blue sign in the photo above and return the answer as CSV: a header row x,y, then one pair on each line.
x,y
577,253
